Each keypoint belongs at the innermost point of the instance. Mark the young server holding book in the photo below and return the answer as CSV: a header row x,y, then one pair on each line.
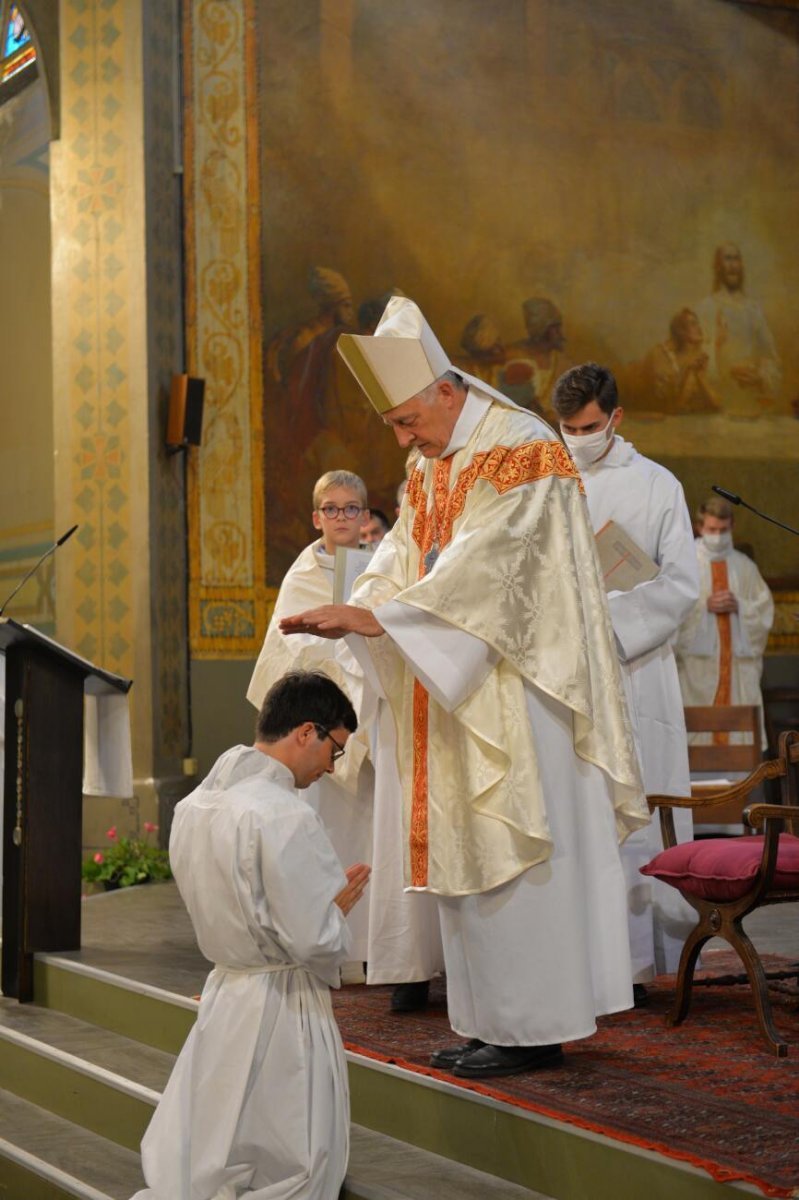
x,y
650,566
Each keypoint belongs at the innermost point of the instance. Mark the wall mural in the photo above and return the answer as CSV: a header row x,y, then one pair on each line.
x,y
568,181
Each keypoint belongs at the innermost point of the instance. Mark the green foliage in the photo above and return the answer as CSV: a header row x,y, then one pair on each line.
x,y
129,860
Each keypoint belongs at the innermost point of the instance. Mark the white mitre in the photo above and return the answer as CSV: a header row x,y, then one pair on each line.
x,y
401,358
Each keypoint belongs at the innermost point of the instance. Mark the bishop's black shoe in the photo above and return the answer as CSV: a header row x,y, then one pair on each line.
x,y
410,997
640,995
446,1058
489,1061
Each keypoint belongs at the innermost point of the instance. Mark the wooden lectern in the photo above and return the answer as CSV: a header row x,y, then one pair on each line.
x,y
42,811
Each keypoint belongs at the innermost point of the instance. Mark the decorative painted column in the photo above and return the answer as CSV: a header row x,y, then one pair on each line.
x,y
229,600
117,324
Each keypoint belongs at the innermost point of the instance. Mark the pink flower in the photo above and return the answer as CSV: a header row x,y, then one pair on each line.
x,y
99,858
111,833
150,828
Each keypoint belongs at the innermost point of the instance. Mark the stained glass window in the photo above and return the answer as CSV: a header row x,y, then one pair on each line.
x,y
17,51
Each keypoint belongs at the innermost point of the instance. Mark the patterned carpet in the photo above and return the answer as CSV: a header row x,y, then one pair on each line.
x,y
706,1092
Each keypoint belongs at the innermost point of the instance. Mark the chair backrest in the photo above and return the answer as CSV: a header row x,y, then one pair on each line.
x,y
724,718
789,750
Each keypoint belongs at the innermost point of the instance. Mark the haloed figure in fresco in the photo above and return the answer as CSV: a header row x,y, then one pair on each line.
x,y
743,364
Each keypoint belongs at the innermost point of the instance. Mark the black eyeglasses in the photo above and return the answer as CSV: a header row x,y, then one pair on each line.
x,y
339,750
350,511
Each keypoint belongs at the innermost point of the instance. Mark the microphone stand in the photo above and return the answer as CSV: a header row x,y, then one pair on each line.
x,y
36,565
734,499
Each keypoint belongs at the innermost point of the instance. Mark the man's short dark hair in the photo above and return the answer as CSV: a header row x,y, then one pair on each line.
x,y
580,385
379,515
302,696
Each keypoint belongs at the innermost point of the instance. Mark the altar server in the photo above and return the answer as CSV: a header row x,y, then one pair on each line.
x,y
484,624
396,935
721,643
343,801
648,503
257,1105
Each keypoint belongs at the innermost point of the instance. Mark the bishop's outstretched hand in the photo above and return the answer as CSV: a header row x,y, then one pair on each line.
x,y
333,621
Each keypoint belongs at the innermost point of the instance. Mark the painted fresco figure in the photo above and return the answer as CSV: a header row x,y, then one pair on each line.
x,y
483,623
721,643
674,374
483,353
743,364
534,364
314,416
332,294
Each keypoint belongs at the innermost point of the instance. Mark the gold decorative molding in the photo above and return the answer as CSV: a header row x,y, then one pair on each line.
x,y
228,597
95,206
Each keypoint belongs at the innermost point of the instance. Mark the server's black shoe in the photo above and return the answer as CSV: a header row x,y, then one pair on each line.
x,y
410,997
640,995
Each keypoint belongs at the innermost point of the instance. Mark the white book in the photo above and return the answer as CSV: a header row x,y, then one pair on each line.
x,y
350,563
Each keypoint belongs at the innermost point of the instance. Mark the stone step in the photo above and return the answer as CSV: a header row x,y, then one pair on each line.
x,y
44,1157
382,1168
101,1047
133,1008
97,1079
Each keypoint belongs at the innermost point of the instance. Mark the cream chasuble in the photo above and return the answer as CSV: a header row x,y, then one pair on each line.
x,y
494,539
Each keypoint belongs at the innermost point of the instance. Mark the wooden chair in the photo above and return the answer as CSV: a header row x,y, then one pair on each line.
x,y
724,879
721,759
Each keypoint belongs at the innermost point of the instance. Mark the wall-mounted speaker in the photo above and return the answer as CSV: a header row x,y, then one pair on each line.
x,y
185,421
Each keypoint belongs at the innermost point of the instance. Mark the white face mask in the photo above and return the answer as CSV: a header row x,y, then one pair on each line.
x,y
587,448
717,544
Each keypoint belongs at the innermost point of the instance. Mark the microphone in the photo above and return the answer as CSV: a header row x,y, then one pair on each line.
x,y
51,550
720,491
734,499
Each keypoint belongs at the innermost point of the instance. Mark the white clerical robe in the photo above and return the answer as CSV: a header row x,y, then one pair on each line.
x,y
699,647
536,960
648,503
404,929
518,767
344,799
258,1102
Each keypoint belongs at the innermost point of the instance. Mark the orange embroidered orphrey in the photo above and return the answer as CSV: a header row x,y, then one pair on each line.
x,y
419,812
720,582
504,467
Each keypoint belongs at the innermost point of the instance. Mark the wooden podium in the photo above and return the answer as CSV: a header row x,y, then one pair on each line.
x,y
42,810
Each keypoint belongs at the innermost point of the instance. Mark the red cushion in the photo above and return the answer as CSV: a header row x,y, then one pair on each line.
x,y
724,868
